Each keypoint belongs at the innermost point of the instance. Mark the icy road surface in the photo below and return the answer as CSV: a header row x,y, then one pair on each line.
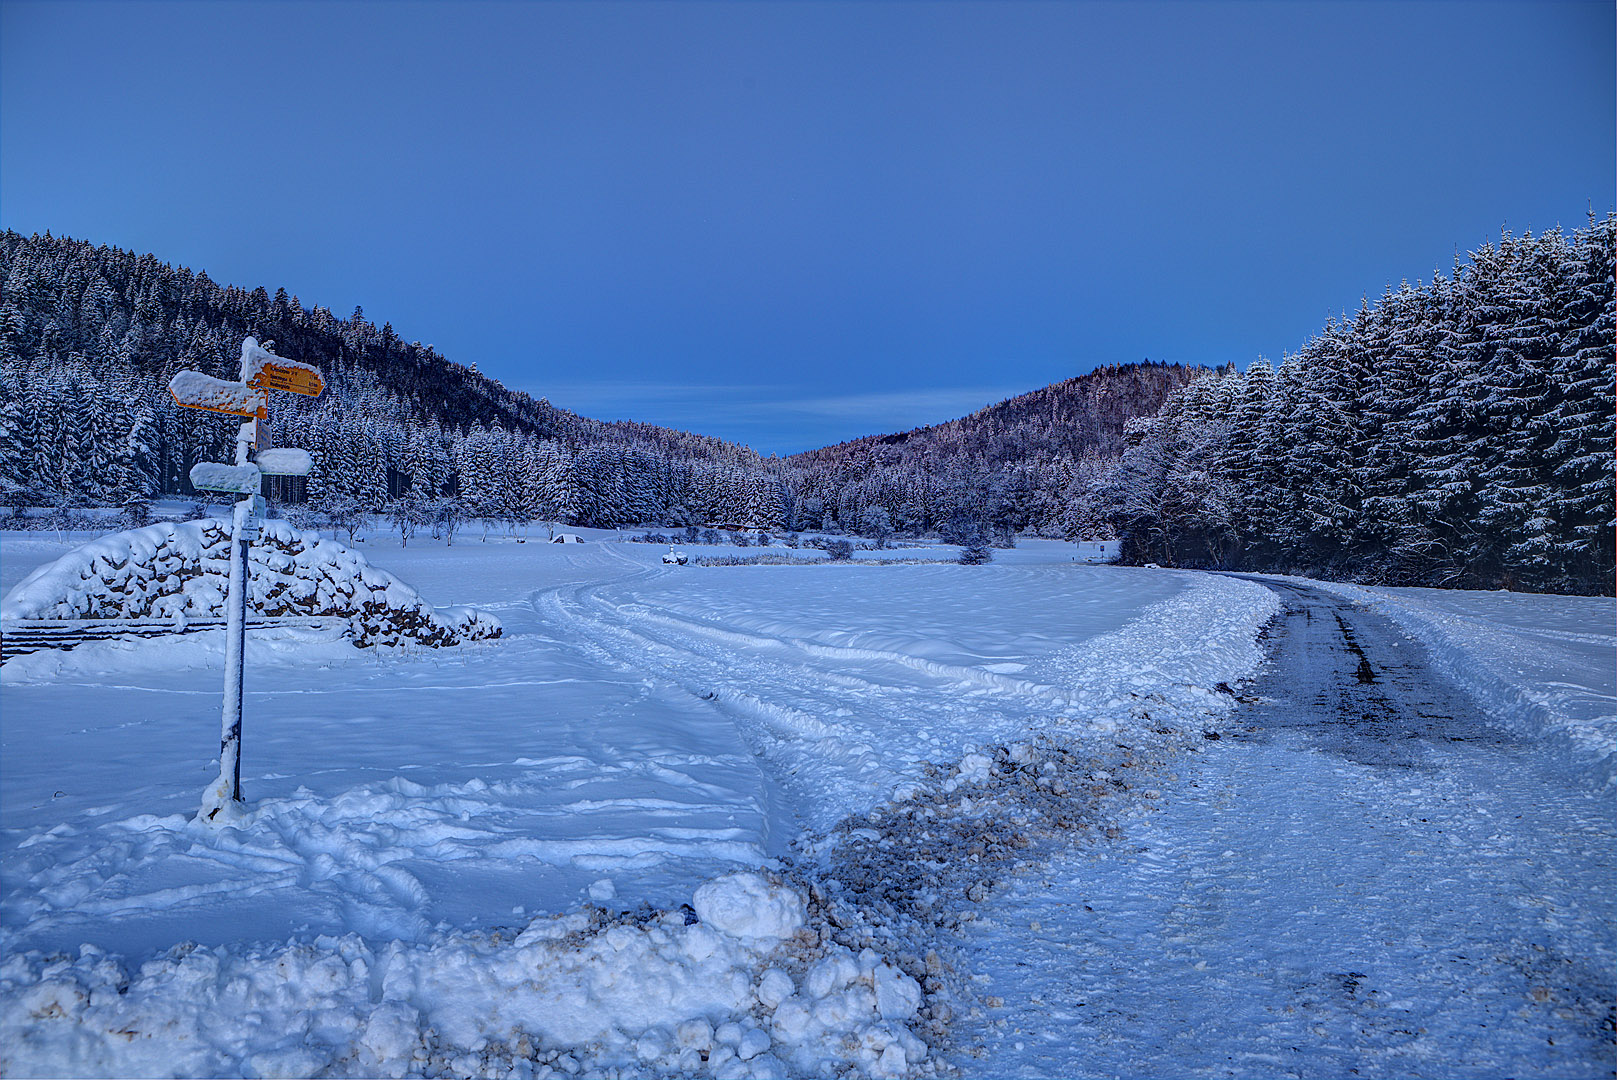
x,y
1363,876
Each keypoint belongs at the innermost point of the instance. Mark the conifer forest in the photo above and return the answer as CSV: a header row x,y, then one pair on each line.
x,y
1457,432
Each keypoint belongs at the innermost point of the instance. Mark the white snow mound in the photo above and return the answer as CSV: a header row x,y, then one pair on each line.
x,y
175,570
747,906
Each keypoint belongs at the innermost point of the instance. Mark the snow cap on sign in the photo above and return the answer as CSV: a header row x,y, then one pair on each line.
x,y
199,391
211,476
284,461
254,356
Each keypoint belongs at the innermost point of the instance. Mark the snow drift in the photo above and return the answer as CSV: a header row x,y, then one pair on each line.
x,y
740,989
176,570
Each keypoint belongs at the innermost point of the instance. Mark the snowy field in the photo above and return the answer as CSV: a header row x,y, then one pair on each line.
x,y
581,847
640,733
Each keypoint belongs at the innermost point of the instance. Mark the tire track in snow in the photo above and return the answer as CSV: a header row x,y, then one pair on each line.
x,y
908,874
841,740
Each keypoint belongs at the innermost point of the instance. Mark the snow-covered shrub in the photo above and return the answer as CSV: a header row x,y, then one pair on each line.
x,y
975,554
137,513
173,570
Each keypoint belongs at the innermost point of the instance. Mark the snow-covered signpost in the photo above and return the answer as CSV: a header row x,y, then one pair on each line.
x,y
261,372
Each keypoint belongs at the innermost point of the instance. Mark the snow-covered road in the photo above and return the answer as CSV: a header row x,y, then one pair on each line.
x,y
1363,877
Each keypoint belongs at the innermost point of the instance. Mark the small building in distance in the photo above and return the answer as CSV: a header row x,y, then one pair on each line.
x,y
566,538
1100,551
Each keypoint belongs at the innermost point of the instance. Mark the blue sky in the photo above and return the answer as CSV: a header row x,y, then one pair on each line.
x,y
789,224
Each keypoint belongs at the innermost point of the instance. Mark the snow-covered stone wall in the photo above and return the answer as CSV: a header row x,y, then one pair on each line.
x,y
176,570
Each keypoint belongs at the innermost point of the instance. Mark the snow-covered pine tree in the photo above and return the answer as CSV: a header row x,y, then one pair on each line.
x,y
1580,458
16,450
1399,335
1518,516
1245,465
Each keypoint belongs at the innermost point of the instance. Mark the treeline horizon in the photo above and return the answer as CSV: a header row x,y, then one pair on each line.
x,y
1453,433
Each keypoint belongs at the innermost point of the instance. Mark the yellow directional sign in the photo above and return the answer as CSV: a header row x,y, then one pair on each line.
x,y
232,409
301,379
194,390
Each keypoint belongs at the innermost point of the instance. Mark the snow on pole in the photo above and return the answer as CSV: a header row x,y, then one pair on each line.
x,y
226,792
260,371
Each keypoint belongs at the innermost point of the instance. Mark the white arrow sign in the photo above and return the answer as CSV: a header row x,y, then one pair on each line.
x,y
284,461
240,479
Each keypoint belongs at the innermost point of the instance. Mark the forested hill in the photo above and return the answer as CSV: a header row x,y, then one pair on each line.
x,y
1078,416
90,335
1006,468
1454,433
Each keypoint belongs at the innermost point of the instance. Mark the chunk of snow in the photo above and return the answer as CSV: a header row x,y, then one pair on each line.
x,y
695,1034
775,987
392,1033
897,995
752,1044
975,768
830,974
747,906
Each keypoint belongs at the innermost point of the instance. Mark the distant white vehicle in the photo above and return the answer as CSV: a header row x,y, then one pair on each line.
x,y
1152,566
567,538
674,557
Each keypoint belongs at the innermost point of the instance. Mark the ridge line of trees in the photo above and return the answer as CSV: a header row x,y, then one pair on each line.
x,y
1456,433
89,337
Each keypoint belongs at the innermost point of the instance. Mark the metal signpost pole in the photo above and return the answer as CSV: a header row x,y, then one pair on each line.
x,y
244,530
235,651
261,371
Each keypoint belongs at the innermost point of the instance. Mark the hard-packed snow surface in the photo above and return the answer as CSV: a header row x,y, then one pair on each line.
x,y
176,570
1545,666
1359,873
